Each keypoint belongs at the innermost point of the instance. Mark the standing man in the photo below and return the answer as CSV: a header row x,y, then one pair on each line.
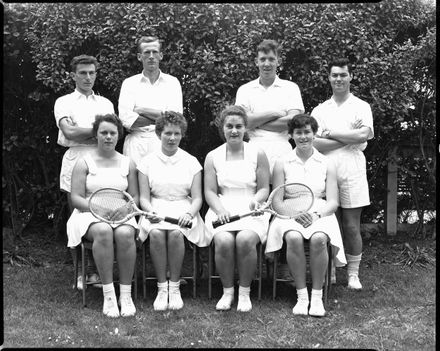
x,y
345,125
74,115
270,102
144,97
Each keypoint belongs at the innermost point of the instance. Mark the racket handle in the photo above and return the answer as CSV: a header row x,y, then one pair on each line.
x,y
217,223
176,221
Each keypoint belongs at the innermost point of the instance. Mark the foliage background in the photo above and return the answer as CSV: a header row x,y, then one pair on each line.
x,y
210,48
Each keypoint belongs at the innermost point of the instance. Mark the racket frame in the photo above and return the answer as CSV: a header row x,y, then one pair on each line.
x,y
134,212
267,207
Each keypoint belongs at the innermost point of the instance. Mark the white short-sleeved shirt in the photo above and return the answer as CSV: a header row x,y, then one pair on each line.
x,y
165,94
331,116
170,177
281,95
82,110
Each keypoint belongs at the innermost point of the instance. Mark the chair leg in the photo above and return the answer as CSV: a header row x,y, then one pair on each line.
x,y
260,269
275,274
210,269
75,253
327,283
144,273
194,254
135,276
83,273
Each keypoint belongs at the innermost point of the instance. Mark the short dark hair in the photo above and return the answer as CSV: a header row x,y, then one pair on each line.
x,y
148,39
173,118
300,121
83,60
340,62
233,110
268,45
111,118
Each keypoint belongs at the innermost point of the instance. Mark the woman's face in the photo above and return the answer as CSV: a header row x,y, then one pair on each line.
x,y
234,129
303,137
170,139
107,136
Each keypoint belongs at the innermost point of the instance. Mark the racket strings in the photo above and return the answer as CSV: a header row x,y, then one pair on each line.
x,y
104,203
292,200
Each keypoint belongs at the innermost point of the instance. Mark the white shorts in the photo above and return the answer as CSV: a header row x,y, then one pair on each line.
x,y
137,145
352,179
274,149
69,160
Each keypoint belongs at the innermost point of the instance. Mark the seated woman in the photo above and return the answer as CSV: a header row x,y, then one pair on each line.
x,y
236,181
307,165
170,184
102,168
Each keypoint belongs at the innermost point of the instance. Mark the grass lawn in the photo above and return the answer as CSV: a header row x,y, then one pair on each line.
x,y
394,311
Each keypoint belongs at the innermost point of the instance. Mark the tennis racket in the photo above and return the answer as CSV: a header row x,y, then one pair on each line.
x,y
115,206
285,201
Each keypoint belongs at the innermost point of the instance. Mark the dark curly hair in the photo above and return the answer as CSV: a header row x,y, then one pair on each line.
x,y
300,121
111,118
340,62
233,110
173,118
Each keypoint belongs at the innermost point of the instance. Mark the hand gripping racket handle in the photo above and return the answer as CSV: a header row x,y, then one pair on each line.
x,y
217,223
176,221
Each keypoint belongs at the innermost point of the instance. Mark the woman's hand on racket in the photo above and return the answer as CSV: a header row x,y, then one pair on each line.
x,y
307,219
120,212
185,220
153,218
223,217
254,205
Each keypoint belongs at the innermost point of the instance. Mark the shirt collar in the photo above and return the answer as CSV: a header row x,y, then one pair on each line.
x,y
333,102
169,159
316,156
277,82
145,79
78,94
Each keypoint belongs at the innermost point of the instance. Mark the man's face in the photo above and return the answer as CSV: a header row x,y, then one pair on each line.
x,y
150,56
84,77
267,64
340,78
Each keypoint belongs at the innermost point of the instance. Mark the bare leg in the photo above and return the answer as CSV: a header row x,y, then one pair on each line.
x,y
125,252
158,252
101,234
296,258
318,259
224,257
176,253
245,243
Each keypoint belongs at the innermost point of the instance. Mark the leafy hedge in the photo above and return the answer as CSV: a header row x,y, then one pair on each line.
x,y
210,48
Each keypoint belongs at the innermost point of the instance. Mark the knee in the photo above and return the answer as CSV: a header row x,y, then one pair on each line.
x,y
102,234
124,236
223,246
294,241
157,237
245,244
175,237
318,242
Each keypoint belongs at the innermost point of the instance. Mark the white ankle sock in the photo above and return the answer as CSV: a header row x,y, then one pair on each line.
x,y
316,304
226,300
110,306
353,262
125,289
175,300
302,303
244,301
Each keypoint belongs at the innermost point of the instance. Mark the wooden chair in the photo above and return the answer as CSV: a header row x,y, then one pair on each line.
x,y
212,271
276,279
192,277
